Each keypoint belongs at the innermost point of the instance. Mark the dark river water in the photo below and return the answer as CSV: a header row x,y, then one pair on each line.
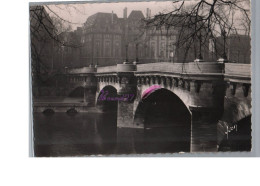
x,y
60,134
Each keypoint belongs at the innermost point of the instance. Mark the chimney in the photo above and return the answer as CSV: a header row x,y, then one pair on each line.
x,y
112,17
125,13
148,13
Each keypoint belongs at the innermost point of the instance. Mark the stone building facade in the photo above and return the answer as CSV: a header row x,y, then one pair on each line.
x,y
238,48
108,40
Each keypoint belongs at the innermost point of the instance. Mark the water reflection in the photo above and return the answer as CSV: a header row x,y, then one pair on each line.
x,y
81,134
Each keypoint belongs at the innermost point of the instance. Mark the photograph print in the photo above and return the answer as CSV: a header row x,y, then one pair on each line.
x,y
140,78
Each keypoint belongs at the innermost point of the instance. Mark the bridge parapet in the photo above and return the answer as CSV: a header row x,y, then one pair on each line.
x,y
182,68
238,73
82,70
107,69
236,69
126,67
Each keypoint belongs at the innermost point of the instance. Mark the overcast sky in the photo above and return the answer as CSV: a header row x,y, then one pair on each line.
x,y
78,13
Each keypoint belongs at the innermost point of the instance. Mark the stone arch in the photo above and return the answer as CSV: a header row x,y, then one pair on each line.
x,y
102,85
166,121
72,111
238,137
183,95
157,99
235,123
236,109
48,111
77,92
106,99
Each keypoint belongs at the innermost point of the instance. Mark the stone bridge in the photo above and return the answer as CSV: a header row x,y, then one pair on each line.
x,y
199,96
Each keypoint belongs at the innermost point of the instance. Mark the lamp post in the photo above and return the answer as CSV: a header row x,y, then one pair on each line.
x,y
66,70
171,57
199,58
84,90
126,53
62,50
223,33
97,57
223,58
136,50
200,39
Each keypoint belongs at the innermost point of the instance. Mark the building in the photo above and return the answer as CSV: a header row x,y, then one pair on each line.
x,y
108,39
69,50
238,48
102,39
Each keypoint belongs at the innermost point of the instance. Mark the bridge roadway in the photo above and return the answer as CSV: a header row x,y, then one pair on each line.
x,y
209,92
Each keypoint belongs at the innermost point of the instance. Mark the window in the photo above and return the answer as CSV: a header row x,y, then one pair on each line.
x,y
152,49
83,39
161,53
173,37
117,49
162,45
107,49
107,36
97,48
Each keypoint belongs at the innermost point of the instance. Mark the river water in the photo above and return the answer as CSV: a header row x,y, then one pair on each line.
x,y
81,134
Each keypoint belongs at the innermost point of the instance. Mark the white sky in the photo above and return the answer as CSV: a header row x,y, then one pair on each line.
x,y
78,13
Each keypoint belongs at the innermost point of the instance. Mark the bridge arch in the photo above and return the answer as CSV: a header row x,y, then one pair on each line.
x,y
161,106
238,136
77,92
105,100
49,111
166,120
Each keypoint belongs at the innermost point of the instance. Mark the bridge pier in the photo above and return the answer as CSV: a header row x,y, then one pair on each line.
x,y
125,114
204,130
125,111
127,89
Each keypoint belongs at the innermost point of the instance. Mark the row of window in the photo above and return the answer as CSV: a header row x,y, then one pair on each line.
x,y
171,37
88,38
151,51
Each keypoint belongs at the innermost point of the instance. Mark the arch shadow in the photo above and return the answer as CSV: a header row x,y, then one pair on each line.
x,y
48,111
105,100
162,108
107,121
78,92
167,121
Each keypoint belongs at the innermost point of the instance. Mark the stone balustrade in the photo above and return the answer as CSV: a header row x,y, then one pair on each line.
x,y
189,68
107,69
235,69
82,70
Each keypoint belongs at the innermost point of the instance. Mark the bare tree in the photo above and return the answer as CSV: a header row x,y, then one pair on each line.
x,y
46,38
203,20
